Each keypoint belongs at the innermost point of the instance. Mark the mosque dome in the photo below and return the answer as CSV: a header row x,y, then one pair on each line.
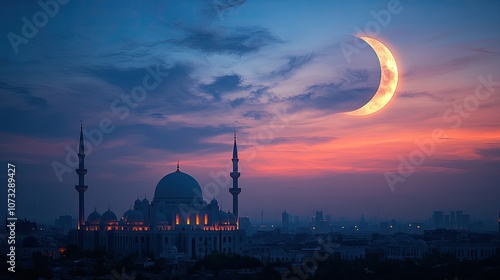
x,y
177,185
135,216
94,218
137,202
125,215
232,218
145,201
214,202
108,217
160,219
223,217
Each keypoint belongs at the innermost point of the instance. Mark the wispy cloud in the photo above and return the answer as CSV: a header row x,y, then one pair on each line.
x,y
21,97
294,62
237,41
443,67
428,95
223,84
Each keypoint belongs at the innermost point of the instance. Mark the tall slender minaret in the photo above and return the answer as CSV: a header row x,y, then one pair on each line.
x,y
235,191
81,187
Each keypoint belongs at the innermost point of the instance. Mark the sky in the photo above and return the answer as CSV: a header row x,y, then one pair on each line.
x,y
156,82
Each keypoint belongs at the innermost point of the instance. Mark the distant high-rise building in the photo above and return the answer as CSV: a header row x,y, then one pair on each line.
x,y
453,219
384,226
285,220
296,220
318,218
437,219
446,221
363,225
465,221
459,218
244,224
64,223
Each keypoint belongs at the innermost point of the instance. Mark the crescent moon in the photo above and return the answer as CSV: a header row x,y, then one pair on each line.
x,y
388,79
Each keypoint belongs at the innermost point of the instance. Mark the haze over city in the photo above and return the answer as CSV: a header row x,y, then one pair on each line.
x,y
166,81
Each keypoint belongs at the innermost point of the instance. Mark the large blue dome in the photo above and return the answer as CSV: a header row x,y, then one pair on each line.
x,y
177,185
108,217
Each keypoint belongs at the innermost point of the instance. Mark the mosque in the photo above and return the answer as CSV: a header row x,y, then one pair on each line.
x,y
177,223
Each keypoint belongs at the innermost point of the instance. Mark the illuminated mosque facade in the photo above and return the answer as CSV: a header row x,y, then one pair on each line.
x,y
177,223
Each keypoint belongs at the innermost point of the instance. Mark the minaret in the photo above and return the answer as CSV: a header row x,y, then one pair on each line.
x,y
235,191
81,187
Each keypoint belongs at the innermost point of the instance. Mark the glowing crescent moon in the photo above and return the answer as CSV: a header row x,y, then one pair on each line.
x,y
388,79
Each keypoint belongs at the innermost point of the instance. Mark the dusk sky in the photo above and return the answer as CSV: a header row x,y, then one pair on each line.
x,y
168,81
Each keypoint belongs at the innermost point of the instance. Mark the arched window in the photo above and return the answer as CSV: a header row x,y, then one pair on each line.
x,y
166,239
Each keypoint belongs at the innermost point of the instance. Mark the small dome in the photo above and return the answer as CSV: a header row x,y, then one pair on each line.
x,y
126,214
214,202
108,218
223,218
30,242
136,216
160,219
137,202
145,201
178,185
94,218
133,217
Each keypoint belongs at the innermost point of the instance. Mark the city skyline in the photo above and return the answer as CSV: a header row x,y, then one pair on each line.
x,y
157,84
